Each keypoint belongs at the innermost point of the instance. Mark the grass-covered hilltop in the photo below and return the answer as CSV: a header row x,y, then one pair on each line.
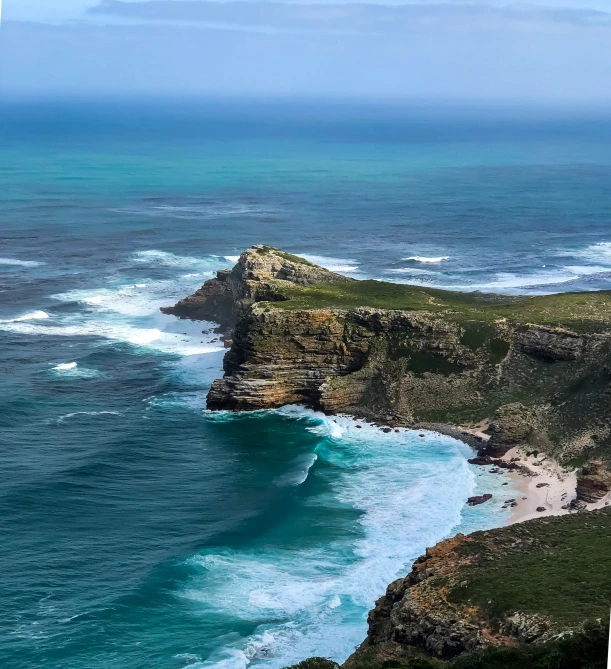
x,y
532,372
538,369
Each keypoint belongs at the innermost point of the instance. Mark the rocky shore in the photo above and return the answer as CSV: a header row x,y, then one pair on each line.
x,y
525,381
535,371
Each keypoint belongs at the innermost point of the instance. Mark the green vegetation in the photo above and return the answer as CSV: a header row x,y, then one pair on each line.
x,y
587,650
315,663
559,568
586,312
266,250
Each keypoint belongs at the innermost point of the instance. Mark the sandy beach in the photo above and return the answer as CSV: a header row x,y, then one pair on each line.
x,y
543,484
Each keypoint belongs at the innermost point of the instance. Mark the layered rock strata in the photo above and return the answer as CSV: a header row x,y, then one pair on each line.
x,y
544,388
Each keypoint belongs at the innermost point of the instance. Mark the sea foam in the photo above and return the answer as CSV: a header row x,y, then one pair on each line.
x,y
428,259
340,265
409,492
32,316
20,263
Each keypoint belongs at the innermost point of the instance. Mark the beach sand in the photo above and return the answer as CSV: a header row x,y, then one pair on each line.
x,y
544,484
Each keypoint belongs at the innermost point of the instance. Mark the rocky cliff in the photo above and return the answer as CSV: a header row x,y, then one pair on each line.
x,y
528,583
253,279
536,370
539,369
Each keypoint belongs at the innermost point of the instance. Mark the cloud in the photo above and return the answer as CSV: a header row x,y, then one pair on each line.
x,y
425,61
338,18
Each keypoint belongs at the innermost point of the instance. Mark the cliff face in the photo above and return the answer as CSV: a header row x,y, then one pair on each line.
x,y
227,297
501,587
538,369
442,358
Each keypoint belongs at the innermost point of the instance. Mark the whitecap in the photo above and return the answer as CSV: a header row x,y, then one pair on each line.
x,y
74,414
65,366
428,259
32,316
412,270
302,465
155,257
152,338
20,263
232,258
340,265
599,252
71,370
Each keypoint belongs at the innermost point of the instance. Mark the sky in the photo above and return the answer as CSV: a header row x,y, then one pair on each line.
x,y
541,51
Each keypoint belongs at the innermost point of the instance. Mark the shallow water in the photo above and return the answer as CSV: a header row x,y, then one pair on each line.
x,y
142,531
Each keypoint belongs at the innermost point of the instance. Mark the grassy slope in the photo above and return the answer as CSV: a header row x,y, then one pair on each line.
x,y
589,312
559,567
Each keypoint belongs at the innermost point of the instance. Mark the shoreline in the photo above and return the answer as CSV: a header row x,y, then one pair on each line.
x,y
542,483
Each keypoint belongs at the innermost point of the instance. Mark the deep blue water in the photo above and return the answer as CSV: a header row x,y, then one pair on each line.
x,y
140,531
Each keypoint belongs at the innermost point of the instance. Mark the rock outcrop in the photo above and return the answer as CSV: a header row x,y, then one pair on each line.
x,y
593,482
228,296
405,355
446,605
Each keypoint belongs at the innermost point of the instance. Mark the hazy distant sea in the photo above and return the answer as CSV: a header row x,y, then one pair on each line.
x,y
140,531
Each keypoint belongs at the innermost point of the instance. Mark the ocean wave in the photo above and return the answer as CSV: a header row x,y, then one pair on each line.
x,y
152,338
531,282
428,259
196,210
32,316
316,597
303,464
20,263
599,252
412,270
65,366
340,265
71,370
168,259
138,299
74,414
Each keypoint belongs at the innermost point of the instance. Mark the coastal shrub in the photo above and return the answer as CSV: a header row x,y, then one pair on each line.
x,y
563,309
587,650
584,650
315,663
559,568
298,260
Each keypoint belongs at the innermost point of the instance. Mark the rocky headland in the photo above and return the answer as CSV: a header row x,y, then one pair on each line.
x,y
535,370
523,379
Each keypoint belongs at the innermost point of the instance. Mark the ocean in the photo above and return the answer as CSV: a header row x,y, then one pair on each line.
x,y
140,531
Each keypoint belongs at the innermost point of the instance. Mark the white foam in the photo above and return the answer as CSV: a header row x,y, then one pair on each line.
x,y
65,366
412,270
340,265
303,464
232,258
20,263
155,257
71,370
600,252
152,338
510,282
410,493
428,259
32,316
74,414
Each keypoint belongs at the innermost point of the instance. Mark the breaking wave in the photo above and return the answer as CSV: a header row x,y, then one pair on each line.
x,y
312,598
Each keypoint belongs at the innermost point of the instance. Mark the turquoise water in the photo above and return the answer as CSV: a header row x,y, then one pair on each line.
x,y
139,530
